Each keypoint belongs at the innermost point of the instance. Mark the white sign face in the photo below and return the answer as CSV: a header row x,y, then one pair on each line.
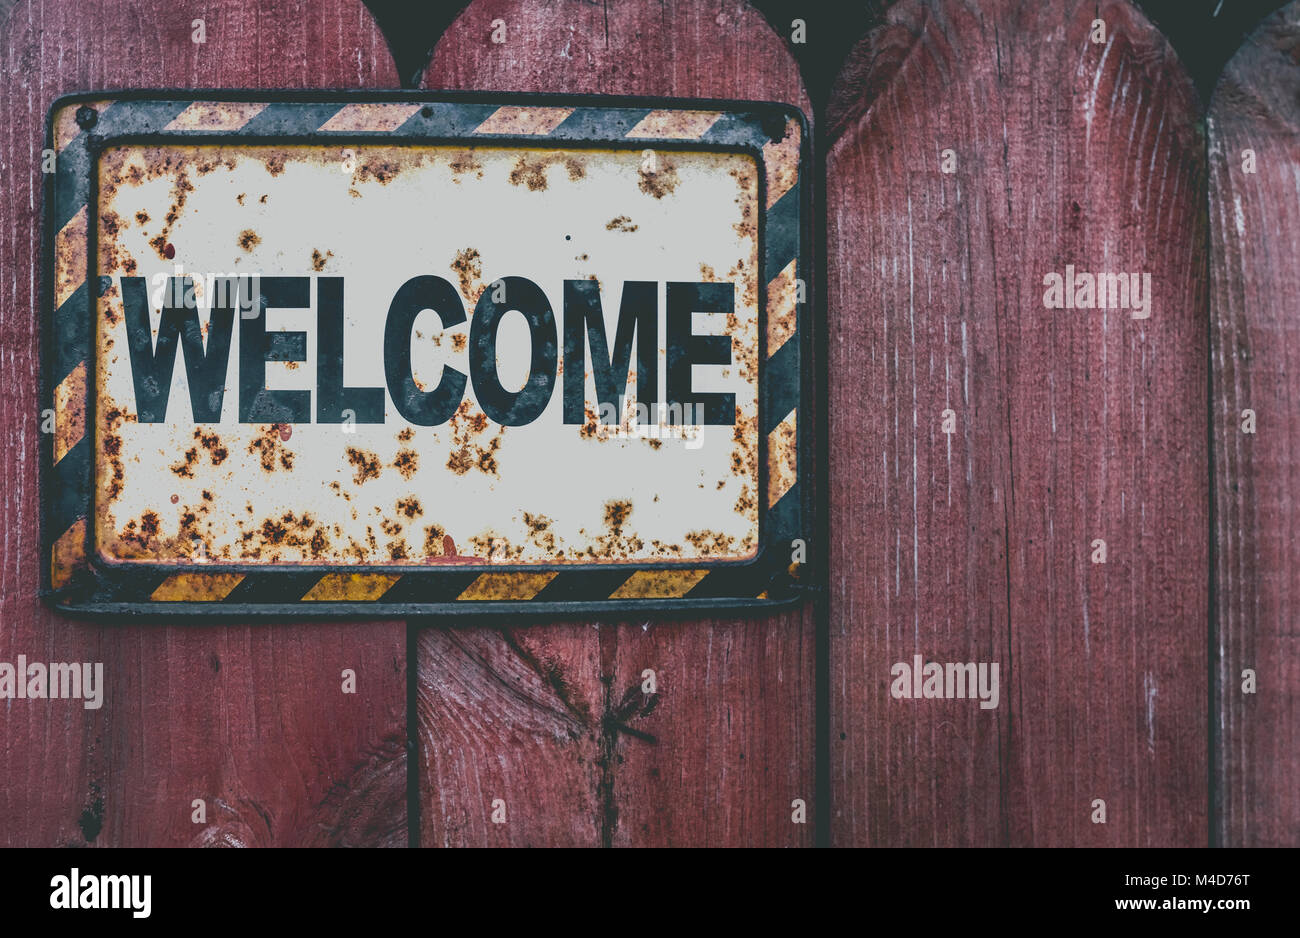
x,y
407,354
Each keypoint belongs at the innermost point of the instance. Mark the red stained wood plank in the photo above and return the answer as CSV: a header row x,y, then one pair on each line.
x,y
1070,426
510,717
250,720
1255,293
726,744
729,746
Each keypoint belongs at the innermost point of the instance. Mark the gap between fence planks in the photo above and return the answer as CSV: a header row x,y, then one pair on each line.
x,y
1255,312
550,719
251,720
1070,426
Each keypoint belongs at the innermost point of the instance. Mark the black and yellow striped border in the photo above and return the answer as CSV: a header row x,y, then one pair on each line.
x,y
80,125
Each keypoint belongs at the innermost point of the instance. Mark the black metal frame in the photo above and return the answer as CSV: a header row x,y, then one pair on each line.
x,y
126,588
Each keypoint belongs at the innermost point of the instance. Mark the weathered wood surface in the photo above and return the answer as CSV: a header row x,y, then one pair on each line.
x,y
550,718
1071,425
251,720
1255,336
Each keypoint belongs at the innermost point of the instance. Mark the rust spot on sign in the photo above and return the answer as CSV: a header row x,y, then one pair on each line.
x,y
436,541
407,461
381,169
217,452
111,446
185,468
590,423
110,223
365,464
300,536
468,452
540,533
465,162
269,447
711,543
530,169
614,543
468,268
659,178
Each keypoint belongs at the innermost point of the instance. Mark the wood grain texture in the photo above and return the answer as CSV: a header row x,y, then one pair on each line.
x,y
250,719
1071,425
550,717
1255,334
510,715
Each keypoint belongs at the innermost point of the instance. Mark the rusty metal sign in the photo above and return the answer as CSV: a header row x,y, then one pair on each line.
x,y
402,354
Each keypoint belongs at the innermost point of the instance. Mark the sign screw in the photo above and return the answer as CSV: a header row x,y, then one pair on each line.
x,y
87,117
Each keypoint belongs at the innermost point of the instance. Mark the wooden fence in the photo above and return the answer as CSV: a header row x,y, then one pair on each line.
x,y
1097,500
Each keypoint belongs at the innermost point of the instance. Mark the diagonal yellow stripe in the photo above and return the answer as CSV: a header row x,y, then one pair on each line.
x,y
70,258
66,127
781,162
782,308
351,587
69,411
782,458
69,552
502,586
658,584
524,120
373,116
675,125
216,115
196,587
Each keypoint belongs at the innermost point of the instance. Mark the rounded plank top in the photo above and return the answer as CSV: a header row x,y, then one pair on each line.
x,y
1254,137
250,720
986,441
679,48
599,777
